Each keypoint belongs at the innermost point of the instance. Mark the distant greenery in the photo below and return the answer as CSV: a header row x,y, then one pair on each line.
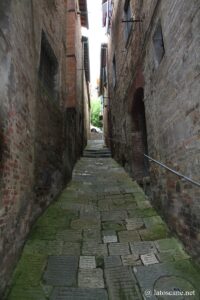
x,y
95,112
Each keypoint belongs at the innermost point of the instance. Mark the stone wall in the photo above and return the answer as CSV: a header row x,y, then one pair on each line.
x,y
172,91
162,75
40,136
128,79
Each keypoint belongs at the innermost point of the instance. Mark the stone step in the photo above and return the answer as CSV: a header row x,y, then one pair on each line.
x,y
97,156
97,153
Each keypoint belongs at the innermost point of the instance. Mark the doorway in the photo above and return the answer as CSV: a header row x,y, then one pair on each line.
x,y
140,145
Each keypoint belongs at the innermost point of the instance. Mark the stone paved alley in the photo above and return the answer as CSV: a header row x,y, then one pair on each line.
x,y
102,240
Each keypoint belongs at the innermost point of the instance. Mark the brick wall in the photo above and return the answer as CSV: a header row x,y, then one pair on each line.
x,y
172,109
171,100
128,79
40,133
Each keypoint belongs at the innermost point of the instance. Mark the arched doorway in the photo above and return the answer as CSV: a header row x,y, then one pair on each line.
x,y
139,140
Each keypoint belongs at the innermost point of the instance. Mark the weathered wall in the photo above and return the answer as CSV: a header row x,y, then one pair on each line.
x,y
75,74
172,92
128,79
86,105
17,126
171,105
40,137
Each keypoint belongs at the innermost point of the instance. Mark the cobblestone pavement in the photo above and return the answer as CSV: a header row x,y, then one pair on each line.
x,y
102,240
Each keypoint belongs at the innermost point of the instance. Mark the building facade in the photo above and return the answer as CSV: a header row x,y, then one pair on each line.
x,y
154,109
43,125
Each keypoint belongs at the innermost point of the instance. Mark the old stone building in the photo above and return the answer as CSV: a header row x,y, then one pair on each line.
x,y
44,103
153,91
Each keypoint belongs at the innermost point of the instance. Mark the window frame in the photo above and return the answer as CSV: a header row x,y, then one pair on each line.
x,y
48,74
127,17
158,44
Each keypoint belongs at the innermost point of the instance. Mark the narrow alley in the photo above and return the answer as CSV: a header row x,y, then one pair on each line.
x,y
99,150
101,239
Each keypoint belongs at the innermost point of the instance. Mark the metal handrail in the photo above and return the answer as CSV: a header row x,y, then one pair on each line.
x,y
173,171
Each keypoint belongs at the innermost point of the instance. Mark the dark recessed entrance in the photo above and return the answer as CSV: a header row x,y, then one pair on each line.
x,y
140,145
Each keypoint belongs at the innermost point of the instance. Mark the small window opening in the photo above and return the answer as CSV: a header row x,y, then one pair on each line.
x,y
158,43
48,69
127,18
114,71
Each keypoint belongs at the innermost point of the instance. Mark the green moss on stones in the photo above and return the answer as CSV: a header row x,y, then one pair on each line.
x,y
138,212
158,231
117,226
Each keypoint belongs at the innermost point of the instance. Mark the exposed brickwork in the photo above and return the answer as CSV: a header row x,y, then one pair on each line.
x,y
171,100
40,137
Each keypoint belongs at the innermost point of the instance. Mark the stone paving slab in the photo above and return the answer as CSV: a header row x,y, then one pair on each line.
x,y
94,249
90,215
117,226
96,224
69,248
90,278
119,249
87,262
121,284
149,259
150,221
134,223
114,215
147,276
53,247
78,294
85,223
131,260
139,248
92,235
61,271
109,236
104,205
129,236
159,231
31,293
69,235
112,261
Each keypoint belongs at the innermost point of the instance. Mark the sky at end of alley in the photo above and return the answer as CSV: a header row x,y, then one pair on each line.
x,y
97,36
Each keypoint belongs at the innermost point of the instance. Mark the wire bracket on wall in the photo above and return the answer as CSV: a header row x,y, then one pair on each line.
x,y
132,21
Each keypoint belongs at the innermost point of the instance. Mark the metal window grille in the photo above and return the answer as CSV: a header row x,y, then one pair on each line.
x,y
127,17
48,68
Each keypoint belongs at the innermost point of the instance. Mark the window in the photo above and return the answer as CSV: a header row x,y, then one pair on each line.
x,y
127,19
48,69
158,43
104,76
114,71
